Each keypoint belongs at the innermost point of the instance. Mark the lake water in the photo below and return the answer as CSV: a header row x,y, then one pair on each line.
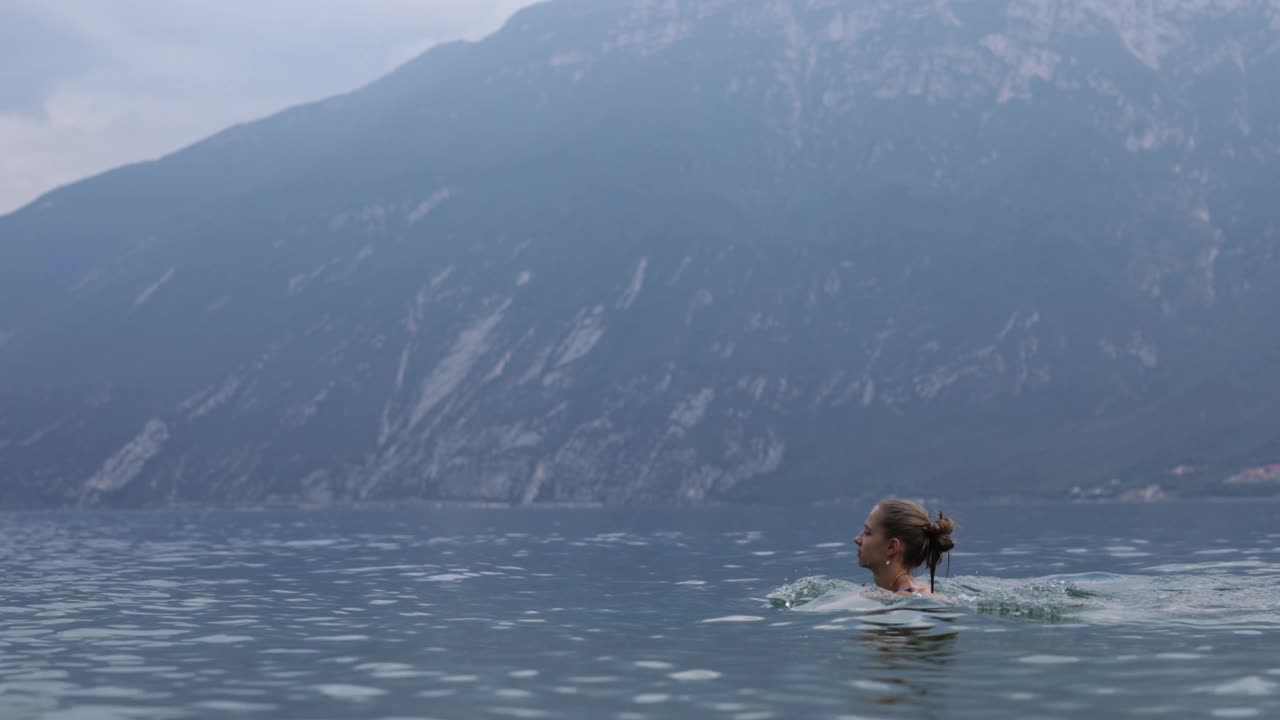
x,y
1166,610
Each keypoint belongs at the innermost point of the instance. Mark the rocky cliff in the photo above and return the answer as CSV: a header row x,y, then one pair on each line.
x,y
683,251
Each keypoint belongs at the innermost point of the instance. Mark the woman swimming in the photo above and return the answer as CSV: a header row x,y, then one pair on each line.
x,y
898,537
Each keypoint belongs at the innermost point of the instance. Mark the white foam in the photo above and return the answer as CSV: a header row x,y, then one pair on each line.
x,y
593,679
338,638
830,627
692,582
764,553
734,618
108,691
114,658
685,675
512,693
1235,712
1048,659
459,678
651,698
113,632
1251,686
308,543
1158,710
523,673
876,686
221,639
440,693
757,715
234,706
1196,567
103,712
355,693
391,670
653,664
379,568
37,675
830,545
519,712
1178,656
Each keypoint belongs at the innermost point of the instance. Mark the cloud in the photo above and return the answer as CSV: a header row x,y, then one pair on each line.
x,y
87,85
27,67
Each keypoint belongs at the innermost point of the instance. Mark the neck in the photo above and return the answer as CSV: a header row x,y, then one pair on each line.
x,y
891,576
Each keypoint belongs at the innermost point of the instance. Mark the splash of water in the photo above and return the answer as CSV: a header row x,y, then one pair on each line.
x,y
808,589
1171,599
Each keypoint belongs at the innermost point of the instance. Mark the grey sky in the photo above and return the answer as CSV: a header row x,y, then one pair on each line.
x,y
87,85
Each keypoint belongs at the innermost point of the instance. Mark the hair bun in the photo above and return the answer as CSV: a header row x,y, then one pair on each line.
x,y
939,531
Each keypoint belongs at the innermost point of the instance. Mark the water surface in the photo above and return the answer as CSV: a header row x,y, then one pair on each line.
x,y
1162,610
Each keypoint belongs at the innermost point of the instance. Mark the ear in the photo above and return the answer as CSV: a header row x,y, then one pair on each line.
x,y
895,546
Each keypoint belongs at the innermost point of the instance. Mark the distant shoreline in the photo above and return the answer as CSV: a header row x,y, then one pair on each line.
x,y
490,505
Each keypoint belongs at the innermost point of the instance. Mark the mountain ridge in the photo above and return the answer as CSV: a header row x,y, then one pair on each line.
x,y
632,252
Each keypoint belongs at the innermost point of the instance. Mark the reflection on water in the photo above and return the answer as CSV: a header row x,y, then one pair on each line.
x,y
904,665
626,615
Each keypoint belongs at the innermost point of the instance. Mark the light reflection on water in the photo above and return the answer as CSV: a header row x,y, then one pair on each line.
x,y
1054,611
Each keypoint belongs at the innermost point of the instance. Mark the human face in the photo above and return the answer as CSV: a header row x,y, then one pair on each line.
x,y
873,546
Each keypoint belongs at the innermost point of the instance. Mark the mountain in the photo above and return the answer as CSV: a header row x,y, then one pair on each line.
x,y
684,251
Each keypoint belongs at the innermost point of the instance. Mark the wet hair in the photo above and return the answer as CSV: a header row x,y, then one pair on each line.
x,y
924,540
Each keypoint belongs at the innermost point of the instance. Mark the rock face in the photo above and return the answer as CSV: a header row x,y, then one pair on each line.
x,y
682,251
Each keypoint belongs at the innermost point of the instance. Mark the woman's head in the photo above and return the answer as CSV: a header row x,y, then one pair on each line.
x,y
903,530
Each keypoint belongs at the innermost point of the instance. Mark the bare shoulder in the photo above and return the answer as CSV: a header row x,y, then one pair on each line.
x,y
920,591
